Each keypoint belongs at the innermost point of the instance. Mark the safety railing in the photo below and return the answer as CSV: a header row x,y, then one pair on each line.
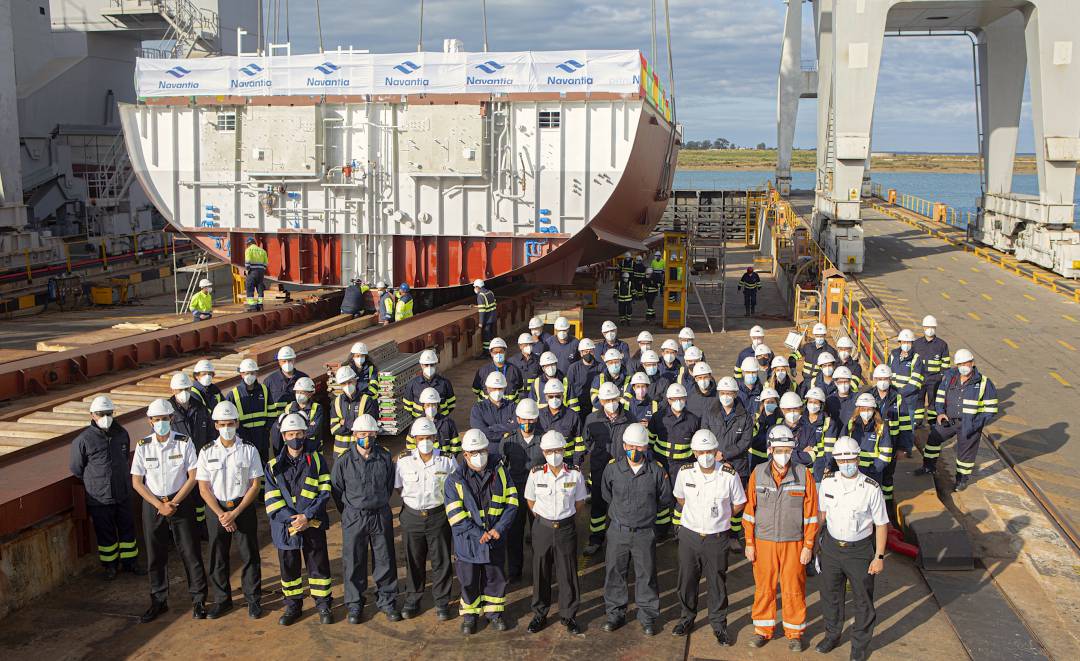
x,y
871,338
169,245
938,211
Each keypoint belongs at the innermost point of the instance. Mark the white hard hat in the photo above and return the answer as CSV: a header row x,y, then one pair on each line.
x,y
768,393
344,374
757,331
675,390
586,344
781,437
791,400
204,365
536,323
749,364
497,343
365,422
825,357
866,399
816,393
526,338
819,329
101,404
478,283
841,373
883,371
608,326
473,440
640,378
548,358
669,345
429,357
686,333
608,390
845,343
293,422
248,365
693,353
762,350
703,439
159,407
612,354
963,356
225,410
727,384
527,408
359,348
636,435
495,380
701,368
906,336
778,361
430,396
286,353
205,283
552,440
422,427
553,387
380,285
562,323
180,381
304,384
845,447
644,336
649,356
929,320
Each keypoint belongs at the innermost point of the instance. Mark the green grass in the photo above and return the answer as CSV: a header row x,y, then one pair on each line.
x,y
804,159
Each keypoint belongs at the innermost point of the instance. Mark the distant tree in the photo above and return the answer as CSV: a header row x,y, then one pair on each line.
x,y
722,143
761,145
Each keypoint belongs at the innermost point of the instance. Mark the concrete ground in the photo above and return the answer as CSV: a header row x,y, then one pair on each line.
x,y
89,618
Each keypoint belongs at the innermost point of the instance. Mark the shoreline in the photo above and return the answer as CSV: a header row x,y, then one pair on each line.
x,y
770,167
804,161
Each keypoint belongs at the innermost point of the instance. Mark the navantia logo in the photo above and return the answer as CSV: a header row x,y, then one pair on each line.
x,y
490,68
570,66
327,68
408,67
178,72
251,71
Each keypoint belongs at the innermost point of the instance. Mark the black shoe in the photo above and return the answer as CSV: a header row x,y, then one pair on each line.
x,y
290,616
795,645
326,616
255,610
393,614
681,628
859,655
198,611
442,613
468,625
722,639
537,624
356,615
827,645
591,549
110,572
499,624
219,609
135,569
758,641
409,612
960,485
924,470
735,544
156,608
613,625
650,629
572,626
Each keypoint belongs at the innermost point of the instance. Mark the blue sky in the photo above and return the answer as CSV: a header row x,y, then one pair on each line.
x,y
726,56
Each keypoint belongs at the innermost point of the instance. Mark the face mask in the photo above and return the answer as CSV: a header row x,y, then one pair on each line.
x,y
813,407
183,397
706,460
883,384
819,341
612,406
478,461
536,331
554,459
104,422
763,362
843,388
827,370
929,332
227,433
349,389
677,405
610,336
431,412
550,369
755,342
770,407
295,443
526,350
641,391
703,384
964,369
249,379
359,360
750,378
644,347
362,441
905,347
669,358
428,371
849,470
287,366
495,396
562,335
635,456
866,415
302,398
206,379
651,370
425,446
727,400
781,377
498,358
525,427
781,460
844,355
792,417
614,370
555,403
587,358
162,427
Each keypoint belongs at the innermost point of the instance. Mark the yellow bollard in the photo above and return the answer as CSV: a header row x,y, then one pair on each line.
x,y
104,256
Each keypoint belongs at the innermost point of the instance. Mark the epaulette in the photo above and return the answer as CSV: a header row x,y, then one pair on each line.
x,y
183,438
145,439
728,468
661,466
828,473
684,466
405,453
537,468
871,481
208,445
570,467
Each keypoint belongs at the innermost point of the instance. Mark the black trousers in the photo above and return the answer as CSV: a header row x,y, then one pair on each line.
x,y
424,538
483,585
314,554
181,528
625,546
247,540
840,565
749,299
515,540
255,286
704,555
967,447
555,556
650,304
626,309
114,527
374,530
487,333
598,520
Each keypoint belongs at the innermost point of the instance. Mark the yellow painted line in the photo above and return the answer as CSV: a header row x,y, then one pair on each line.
x,y
976,269
974,316
941,269
1029,297
1012,344
945,296
1022,318
924,280
1001,283
953,257
1057,377
987,297
961,281
1066,345
1072,319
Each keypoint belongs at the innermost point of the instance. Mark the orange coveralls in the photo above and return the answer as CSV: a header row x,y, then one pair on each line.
x,y
780,560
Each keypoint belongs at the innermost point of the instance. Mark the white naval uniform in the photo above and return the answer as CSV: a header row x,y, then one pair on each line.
x,y
852,506
425,532
554,536
709,497
421,484
229,470
164,465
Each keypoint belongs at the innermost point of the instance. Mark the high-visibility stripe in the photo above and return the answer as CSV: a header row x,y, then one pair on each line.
x,y
795,627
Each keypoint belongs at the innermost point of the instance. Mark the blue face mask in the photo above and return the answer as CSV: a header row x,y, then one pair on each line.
x,y
849,470
750,378
651,370
525,426
770,407
363,441
634,455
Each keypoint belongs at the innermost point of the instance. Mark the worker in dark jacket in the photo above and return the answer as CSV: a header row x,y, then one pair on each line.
x,y
191,419
520,451
527,360
361,484
428,378
749,284
564,345
671,430
313,412
355,299
637,279
367,373
252,402
447,439
733,425
603,432
99,457
494,415
580,376
498,364
203,387
386,303
280,383
348,406
487,310
555,414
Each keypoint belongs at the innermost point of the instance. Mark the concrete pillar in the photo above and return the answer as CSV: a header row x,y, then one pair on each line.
x,y
859,34
1002,65
12,211
1054,68
789,88
823,29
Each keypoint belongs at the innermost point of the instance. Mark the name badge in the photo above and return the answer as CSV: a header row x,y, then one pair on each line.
x,y
714,512
176,456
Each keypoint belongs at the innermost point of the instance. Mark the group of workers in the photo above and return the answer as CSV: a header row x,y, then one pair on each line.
x,y
638,282
788,458
391,305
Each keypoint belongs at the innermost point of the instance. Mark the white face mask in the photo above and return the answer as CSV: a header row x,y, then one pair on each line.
x,y
227,433
302,398
104,422
685,344
526,350
706,460
287,366
425,446
550,369
819,341
562,335
883,384
162,427
727,400
431,411
349,389
536,331
610,336
905,347
249,379
929,332
792,417
612,406
479,460
844,355
964,369
555,403
827,370
677,405
669,358
755,342
206,380
495,395
614,370
843,388
866,415
703,384
554,459
183,397
644,347
781,376
359,360
813,407
781,460
428,370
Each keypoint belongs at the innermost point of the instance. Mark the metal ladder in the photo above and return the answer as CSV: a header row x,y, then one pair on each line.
x,y
199,270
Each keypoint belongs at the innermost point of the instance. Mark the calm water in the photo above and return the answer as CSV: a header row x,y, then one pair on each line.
x,y
958,190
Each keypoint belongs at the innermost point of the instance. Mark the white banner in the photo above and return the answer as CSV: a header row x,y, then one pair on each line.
x,y
336,73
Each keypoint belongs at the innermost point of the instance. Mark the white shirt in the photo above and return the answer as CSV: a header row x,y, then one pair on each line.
x,y
422,484
709,497
852,506
229,470
164,465
556,496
